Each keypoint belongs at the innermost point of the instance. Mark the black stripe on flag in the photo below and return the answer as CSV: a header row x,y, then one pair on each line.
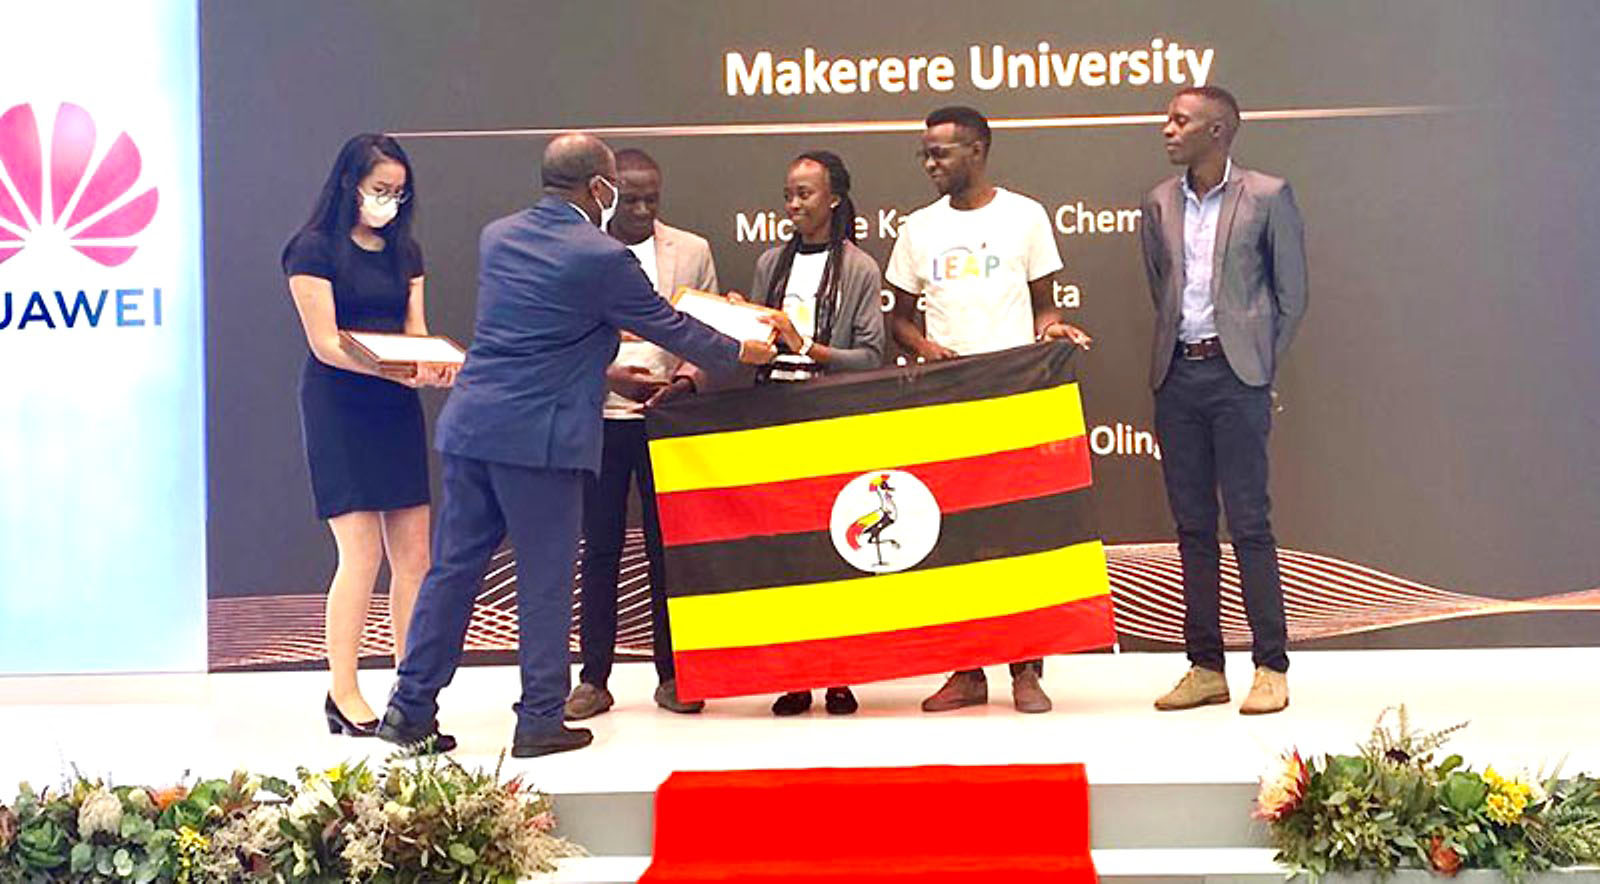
x,y
987,376
1028,526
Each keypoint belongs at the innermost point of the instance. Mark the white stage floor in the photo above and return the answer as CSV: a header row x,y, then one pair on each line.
x,y
1528,708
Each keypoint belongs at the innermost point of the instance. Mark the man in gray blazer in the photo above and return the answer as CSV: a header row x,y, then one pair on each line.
x,y
1224,251
641,373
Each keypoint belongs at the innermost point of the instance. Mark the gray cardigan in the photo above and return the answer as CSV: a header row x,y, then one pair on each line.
x,y
858,331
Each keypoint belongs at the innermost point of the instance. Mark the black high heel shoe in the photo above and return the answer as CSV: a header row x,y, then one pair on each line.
x,y
338,724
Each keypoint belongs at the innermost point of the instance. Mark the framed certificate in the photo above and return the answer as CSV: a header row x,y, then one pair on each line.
x,y
398,355
742,322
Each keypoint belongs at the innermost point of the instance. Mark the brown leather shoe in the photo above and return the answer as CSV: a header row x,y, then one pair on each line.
x,y
1198,687
1269,693
667,698
1026,694
960,690
586,701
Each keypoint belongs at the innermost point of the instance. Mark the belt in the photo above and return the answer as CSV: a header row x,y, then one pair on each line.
x,y
1205,348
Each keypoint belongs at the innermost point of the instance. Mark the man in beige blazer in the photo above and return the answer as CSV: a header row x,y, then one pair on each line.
x,y
1224,251
641,374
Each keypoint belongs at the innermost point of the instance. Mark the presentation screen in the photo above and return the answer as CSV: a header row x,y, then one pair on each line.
x,y
1432,475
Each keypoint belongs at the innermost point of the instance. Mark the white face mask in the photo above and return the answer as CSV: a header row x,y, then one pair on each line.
x,y
609,212
377,214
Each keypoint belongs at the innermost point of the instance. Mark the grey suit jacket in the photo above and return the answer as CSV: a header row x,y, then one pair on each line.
x,y
859,334
1258,277
858,329
682,259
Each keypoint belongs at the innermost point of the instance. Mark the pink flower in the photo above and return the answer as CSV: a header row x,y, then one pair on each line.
x,y
1282,791
542,822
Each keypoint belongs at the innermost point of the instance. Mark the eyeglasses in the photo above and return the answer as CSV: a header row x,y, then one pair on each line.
x,y
940,151
384,197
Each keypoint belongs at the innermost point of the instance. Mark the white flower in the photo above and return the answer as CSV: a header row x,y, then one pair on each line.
x,y
1282,789
363,855
397,814
101,812
315,795
1536,792
139,800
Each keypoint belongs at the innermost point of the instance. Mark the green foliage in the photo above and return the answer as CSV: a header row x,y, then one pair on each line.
x,y
1463,792
1391,807
41,844
413,820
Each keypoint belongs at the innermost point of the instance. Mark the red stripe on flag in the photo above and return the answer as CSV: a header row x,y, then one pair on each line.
x,y
716,514
732,672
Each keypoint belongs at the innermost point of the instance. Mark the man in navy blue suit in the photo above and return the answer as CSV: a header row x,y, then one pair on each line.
x,y
522,427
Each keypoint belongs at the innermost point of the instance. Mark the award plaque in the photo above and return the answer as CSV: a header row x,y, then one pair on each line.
x,y
398,356
740,321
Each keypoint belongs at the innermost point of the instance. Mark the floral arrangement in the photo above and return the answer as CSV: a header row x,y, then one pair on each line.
x,y
408,821
1391,806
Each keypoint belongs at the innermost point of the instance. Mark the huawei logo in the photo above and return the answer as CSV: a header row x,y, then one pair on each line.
x,y
61,191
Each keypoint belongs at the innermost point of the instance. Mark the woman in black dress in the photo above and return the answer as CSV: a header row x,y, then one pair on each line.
x,y
355,266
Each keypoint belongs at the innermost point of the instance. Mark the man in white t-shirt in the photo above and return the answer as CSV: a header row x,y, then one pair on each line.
x,y
641,374
983,261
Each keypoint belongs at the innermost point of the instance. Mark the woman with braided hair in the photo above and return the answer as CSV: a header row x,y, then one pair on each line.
x,y
827,290
826,287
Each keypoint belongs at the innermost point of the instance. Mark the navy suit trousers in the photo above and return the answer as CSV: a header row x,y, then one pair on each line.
x,y
1213,432
484,502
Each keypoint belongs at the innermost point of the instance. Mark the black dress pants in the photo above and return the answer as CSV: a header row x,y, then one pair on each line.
x,y
624,461
1213,432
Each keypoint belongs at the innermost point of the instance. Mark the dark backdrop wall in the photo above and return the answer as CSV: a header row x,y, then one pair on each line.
x,y
1438,410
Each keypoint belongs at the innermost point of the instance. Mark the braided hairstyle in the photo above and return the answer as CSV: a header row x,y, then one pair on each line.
x,y
841,230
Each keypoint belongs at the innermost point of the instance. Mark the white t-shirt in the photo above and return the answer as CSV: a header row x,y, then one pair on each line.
x,y
800,303
634,351
645,251
973,267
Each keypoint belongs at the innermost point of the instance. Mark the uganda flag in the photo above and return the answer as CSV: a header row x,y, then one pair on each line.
x,y
879,525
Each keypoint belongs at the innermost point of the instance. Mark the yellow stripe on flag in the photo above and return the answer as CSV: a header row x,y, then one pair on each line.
x,y
885,602
854,444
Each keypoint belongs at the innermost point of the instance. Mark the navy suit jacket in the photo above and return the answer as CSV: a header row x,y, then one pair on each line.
x,y
552,292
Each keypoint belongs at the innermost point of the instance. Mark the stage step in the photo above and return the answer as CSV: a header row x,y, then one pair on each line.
x,y
1216,865
1122,816
1230,865
1140,833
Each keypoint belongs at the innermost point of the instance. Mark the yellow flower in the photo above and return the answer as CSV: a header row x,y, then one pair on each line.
x,y
1507,798
1501,809
190,840
333,774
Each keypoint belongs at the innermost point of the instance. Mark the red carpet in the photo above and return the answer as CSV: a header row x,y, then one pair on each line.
x,y
1014,823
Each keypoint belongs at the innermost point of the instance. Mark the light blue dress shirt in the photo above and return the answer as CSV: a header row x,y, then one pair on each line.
x,y
1200,213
